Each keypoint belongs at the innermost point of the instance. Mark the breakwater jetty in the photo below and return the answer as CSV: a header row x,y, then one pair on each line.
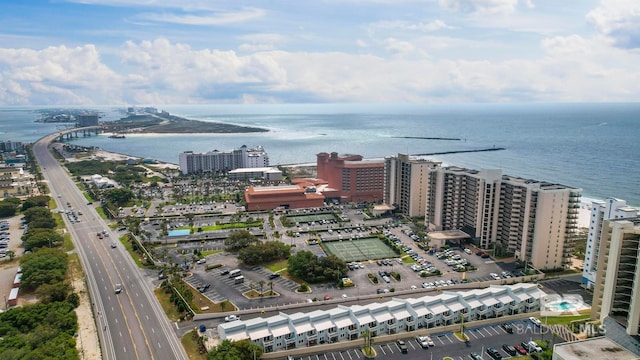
x,y
460,151
426,138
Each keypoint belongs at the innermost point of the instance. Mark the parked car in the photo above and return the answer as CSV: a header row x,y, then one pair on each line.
x,y
402,346
508,328
475,356
521,350
509,349
273,276
422,340
494,353
230,318
535,321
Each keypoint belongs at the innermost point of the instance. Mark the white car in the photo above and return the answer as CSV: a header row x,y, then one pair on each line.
x,y
422,340
535,321
230,318
495,276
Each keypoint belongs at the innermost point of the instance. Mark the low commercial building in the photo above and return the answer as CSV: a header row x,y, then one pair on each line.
x,y
260,198
288,331
263,173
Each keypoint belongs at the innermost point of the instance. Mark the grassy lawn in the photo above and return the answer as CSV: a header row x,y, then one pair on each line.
x,y
210,252
563,320
125,242
277,265
408,260
200,301
167,305
101,213
191,348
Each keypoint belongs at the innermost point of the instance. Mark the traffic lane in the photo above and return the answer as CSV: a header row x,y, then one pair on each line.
x,y
446,344
60,181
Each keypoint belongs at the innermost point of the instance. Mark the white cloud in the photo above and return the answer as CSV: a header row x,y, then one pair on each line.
x,y
398,47
209,19
618,19
480,6
55,74
405,25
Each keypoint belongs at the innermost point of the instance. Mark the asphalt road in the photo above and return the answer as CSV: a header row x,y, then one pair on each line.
x,y
131,325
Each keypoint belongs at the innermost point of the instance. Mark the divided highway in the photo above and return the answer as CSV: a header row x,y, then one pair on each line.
x,y
131,324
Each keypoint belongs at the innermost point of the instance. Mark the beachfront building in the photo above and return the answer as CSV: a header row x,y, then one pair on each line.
x,y
601,210
617,289
289,331
220,161
406,183
353,178
535,220
258,173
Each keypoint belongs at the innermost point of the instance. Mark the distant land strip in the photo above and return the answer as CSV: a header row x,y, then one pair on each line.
x,y
425,138
460,151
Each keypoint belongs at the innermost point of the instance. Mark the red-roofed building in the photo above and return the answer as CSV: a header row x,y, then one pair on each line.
x,y
283,196
352,178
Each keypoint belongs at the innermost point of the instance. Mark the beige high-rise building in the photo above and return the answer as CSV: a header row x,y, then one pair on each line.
x,y
534,220
617,289
406,183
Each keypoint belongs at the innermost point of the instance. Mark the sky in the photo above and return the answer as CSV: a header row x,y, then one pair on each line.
x,y
155,52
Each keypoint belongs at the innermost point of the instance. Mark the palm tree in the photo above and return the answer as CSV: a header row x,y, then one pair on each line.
x,y
261,283
270,283
252,286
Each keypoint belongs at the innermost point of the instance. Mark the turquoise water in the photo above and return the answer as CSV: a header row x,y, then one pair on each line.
x,y
182,232
589,146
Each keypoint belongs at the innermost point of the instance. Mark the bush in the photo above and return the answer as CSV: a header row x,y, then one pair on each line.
x,y
214,266
373,278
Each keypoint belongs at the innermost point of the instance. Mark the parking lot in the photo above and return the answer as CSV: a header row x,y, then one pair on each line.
x,y
446,344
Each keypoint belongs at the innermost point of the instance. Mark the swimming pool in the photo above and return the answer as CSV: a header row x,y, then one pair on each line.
x,y
181,232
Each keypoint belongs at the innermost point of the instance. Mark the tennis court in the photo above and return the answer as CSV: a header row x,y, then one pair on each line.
x,y
311,217
370,248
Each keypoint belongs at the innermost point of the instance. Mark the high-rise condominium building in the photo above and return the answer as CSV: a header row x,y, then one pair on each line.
x,y
87,120
406,183
536,221
219,161
617,289
601,210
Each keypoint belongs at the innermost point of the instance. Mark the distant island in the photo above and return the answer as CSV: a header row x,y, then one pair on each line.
x,y
165,123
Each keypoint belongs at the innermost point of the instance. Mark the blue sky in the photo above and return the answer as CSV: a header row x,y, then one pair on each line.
x,y
100,52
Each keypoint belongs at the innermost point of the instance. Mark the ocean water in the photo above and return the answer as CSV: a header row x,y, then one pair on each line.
x,y
595,147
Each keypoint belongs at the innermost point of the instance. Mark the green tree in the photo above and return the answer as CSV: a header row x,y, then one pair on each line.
x,y
53,292
237,350
46,266
119,197
39,217
261,283
7,209
38,238
239,239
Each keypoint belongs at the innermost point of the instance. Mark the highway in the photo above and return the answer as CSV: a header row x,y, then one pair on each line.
x,y
132,324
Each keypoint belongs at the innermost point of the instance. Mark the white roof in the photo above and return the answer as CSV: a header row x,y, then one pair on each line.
x,y
281,330
505,299
241,335
489,301
421,311
365,318
323,325
404,314
474,304
303,328
343,322
455,306
259,334
438,309
383,316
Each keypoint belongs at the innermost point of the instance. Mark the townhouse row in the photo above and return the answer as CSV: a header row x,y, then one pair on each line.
x,y
342,323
